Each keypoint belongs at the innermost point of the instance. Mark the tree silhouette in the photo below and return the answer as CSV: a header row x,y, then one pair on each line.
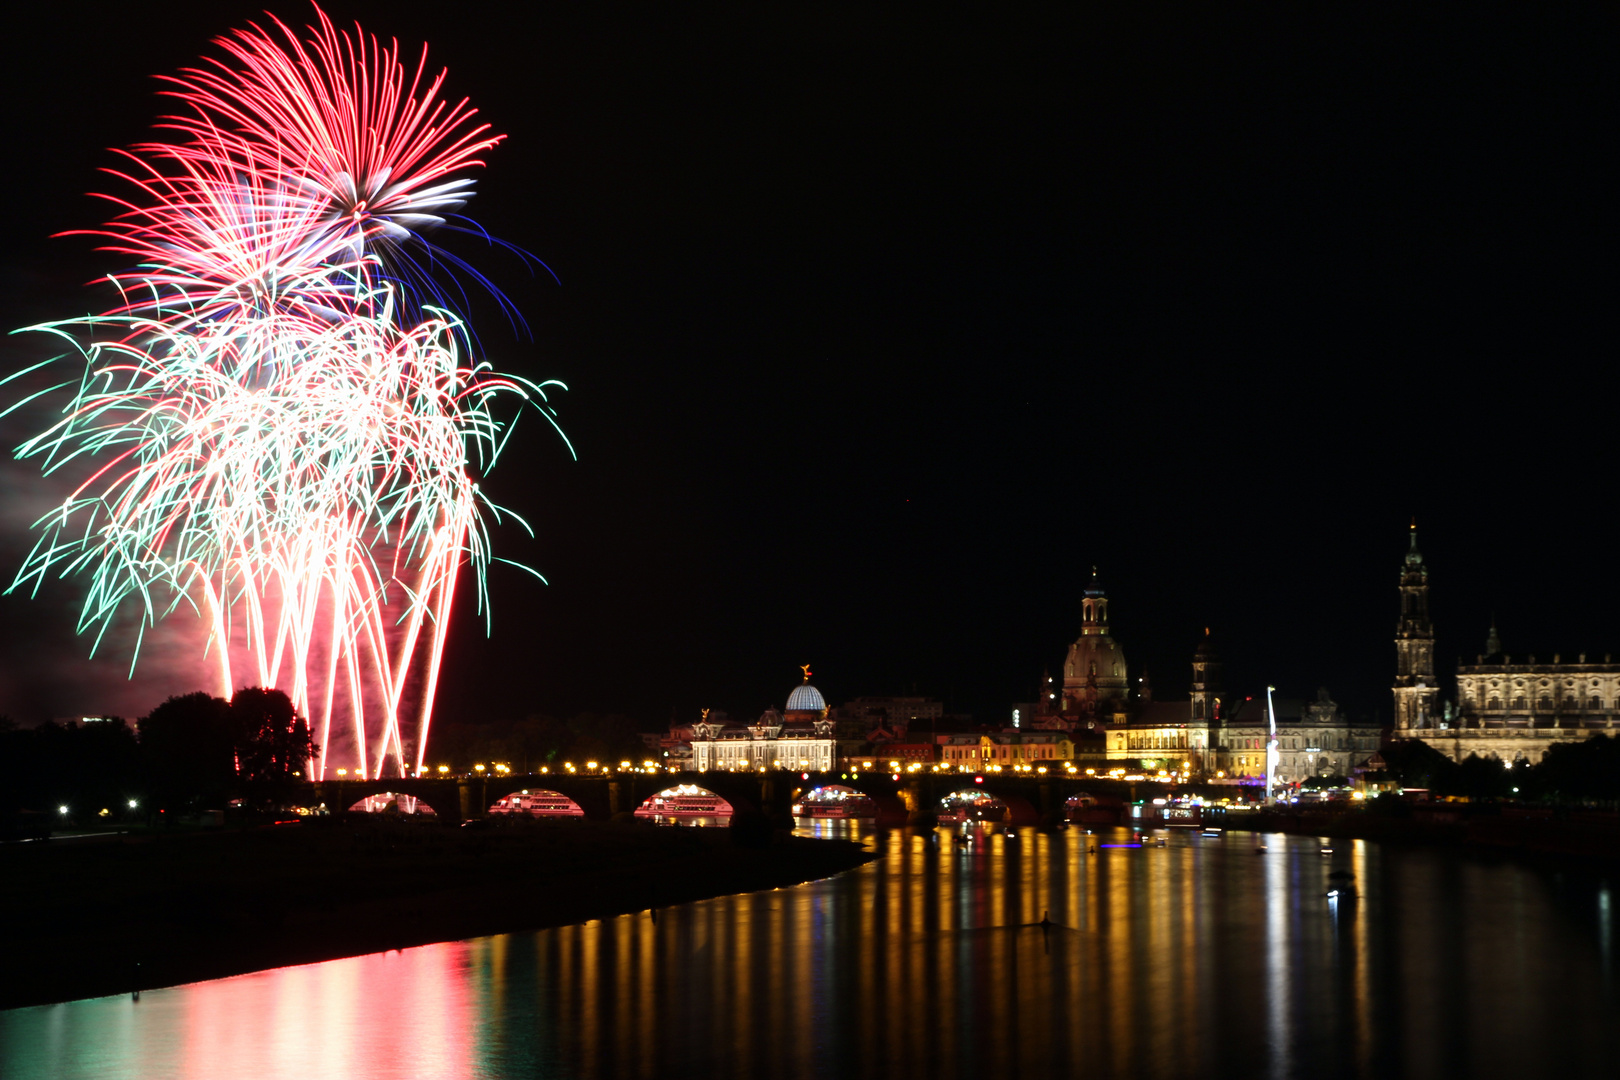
x,y
272,743
188,748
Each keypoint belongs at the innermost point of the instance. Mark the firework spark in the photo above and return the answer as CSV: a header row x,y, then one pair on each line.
x,y
285,432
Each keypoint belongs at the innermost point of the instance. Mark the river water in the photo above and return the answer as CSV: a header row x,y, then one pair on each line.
x,y
1204,957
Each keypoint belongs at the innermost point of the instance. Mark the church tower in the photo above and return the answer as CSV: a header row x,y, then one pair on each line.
x,y
1414,648
1094,675
1206,684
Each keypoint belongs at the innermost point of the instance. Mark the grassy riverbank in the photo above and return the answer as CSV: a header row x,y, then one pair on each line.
x,y
106,915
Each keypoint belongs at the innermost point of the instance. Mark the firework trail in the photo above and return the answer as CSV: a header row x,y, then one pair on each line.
x,y
283,420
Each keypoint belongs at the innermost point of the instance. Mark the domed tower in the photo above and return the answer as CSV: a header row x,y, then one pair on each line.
x,y
806,706
1094,672
806,702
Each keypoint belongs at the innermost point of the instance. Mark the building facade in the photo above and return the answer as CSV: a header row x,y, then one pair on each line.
x,y
801,737
1505,710
1095,682
1315,738
971,753
1415,685
1223,735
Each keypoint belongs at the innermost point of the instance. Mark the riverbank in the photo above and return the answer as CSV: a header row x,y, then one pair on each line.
x,y
1582,835
108,915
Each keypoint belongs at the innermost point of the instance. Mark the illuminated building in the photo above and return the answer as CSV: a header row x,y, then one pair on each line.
x,y
1314,738
1504,710
1094,674
1216,733
1005,749
800,737
1415,687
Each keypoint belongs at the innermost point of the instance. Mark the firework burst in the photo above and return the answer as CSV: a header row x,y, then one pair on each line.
x,y
286,434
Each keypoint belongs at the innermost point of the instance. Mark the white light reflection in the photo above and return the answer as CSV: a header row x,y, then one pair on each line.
x,y
1277,960
1606,932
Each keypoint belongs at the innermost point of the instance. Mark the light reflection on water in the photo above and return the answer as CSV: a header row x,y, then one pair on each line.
x,y
1204,957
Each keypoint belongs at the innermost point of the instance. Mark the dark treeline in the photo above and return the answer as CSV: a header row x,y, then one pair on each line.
x,y
1570,773
193,752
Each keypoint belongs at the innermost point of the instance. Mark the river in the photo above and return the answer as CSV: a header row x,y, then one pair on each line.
x,y
1204,957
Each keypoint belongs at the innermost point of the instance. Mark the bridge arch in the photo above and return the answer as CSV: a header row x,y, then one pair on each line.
x,y
392,803
970,804
879,803
341,796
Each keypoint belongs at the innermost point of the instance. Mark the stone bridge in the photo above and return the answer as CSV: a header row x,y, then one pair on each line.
x,y
1028,797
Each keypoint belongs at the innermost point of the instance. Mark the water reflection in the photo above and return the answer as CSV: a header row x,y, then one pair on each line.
x,y
1203,957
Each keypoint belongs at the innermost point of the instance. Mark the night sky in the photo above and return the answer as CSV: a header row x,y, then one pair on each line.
x,y
882,329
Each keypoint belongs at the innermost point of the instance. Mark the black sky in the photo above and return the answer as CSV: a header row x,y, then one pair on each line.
x,y
883,328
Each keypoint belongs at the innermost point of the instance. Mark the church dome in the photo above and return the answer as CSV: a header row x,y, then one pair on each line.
x,y
806,698
1098,649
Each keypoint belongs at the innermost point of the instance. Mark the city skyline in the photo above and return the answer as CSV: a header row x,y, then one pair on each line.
x,y
878,342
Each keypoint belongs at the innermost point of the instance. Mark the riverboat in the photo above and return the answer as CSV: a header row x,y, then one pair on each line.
x,y
538,804
1182,817
684,802
835,801
852,809
986,809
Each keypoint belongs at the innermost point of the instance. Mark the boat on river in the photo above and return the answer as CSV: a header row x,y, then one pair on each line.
x,y
684,802
835,801
537,803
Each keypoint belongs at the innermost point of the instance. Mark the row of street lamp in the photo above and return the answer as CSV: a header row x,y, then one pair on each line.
x,y
502,769
595,768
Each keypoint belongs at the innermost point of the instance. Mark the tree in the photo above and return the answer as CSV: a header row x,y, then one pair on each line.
x,y
1589,769
1416,764
86,767
188,746
273,745
1480,778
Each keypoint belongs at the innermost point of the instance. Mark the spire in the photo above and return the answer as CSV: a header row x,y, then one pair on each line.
x,y
1493,644
1094,607
1415,685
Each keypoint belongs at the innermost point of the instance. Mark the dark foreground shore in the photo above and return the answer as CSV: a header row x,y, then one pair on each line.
x,y
108,915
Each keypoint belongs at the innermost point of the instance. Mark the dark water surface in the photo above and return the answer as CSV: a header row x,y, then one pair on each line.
x,y
1202,958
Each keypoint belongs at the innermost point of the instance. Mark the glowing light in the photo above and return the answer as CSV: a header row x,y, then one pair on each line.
x,y
288,427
